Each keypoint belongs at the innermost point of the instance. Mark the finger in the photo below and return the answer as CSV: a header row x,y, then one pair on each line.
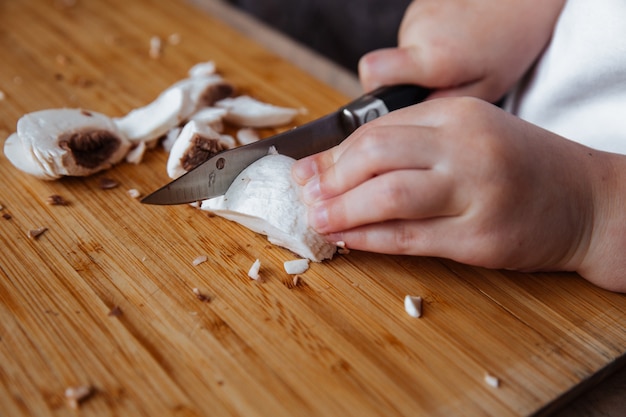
x,y
389,66
441,237
372,151
404,194
397,237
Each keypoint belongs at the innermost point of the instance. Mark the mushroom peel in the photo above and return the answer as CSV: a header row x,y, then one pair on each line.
x,y
265,199
52,143
250,112
195,144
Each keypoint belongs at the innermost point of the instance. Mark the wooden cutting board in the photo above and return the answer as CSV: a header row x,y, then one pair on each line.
x,y
338,343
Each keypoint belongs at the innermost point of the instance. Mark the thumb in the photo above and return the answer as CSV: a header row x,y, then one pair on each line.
x,y
387,66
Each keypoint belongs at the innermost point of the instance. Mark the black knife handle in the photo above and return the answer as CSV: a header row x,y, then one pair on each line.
x,y
380,102
399,96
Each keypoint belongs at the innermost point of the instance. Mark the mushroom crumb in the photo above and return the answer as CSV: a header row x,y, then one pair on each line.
x,y
173,39
155,47
297,266
413,305
108,183
296,280
2,95
253,272
342,249
200,259
115,312
200,296
492,381
35,233
76,395
56,200
133,193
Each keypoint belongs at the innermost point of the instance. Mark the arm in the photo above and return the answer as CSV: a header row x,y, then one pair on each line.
x,y
464,47
462,179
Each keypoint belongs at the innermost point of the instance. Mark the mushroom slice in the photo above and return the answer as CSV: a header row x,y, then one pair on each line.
x,y
174,105
265,199
250,112
202,69
210,116
53,143
154,120
247,135
195,144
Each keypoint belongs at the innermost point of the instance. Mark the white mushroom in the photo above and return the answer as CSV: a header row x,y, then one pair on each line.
x,y
53,143
250,112
265,199
195,144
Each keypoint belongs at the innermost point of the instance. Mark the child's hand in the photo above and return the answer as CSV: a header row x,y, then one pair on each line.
x,y
477,48
461,179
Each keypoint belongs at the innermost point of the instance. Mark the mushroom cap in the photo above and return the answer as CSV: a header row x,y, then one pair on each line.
x,y
265,199
60,142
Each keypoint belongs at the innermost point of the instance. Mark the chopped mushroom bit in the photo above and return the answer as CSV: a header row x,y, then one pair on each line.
x,y
133,193
297,266
200,259
413,305
155,47
492,381
108,183
75,395
115,312
35,233
296,280
202,297
253,273
56,200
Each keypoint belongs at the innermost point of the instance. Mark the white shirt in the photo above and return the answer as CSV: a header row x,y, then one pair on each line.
x,y
578,87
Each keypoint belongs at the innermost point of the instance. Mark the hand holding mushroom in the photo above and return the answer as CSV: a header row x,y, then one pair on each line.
x,y
462,179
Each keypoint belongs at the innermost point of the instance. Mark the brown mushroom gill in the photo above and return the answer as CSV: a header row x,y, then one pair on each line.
x,y
201,149
216,92
90,148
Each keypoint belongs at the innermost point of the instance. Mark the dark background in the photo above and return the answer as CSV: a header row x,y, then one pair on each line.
x,y
340,30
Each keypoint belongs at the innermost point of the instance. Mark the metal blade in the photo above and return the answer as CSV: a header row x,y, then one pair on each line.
x,y
213,177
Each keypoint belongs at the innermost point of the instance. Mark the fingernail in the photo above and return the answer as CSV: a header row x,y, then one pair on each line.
x,y
303,170
318,218
311,191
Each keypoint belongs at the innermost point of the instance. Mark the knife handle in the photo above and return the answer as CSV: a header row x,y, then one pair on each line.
x,y
381,101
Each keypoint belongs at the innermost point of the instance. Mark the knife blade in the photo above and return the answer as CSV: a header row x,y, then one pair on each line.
x,y
213,177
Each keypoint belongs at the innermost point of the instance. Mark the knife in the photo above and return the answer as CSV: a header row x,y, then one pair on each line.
x,y
213,177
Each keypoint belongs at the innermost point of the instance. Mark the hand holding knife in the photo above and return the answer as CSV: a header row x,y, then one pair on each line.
x,y
213,177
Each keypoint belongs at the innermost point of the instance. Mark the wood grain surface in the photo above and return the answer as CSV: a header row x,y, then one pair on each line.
x,y
338,343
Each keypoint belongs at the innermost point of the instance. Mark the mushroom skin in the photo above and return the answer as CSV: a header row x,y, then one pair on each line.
x,y
49,144
265,199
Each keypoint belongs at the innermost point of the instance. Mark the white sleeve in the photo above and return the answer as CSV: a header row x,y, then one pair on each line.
x,y
578,87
